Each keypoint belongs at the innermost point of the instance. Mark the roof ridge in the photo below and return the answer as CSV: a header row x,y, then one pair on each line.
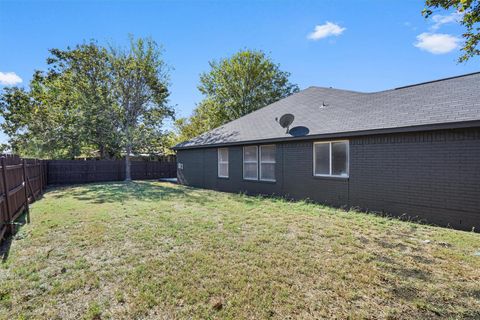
x,y
337,89
433,81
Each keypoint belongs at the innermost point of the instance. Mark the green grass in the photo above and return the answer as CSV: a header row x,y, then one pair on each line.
x,y
155,250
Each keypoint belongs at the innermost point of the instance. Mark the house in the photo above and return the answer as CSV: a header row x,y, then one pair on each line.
x,y
410,151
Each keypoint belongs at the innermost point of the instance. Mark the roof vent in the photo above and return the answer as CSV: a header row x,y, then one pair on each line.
x,y
323,105
286,120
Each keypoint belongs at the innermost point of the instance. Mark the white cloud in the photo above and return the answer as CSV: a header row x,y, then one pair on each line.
x,y
409,25
9,78
439,20
437,43
326,30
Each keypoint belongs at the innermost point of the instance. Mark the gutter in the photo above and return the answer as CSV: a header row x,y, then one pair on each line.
x,y
428,127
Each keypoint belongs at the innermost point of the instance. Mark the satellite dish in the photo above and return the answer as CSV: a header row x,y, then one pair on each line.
x,y
286,120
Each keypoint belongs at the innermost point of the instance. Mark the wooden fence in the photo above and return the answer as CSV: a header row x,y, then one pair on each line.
x,y
85,171
22,182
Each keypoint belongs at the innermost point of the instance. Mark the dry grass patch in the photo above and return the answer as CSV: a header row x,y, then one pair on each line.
x,y
151,250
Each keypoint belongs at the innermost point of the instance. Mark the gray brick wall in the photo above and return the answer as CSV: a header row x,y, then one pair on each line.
x,y
299,182
432,176
194,168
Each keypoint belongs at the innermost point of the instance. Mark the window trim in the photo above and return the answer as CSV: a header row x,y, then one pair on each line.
x,y
243,163
223,162
260,162
329,142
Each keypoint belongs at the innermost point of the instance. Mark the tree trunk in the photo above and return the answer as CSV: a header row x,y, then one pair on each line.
x,y
102,152
128,176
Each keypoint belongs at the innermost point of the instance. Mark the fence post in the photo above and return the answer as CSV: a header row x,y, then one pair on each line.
x,y
27,209
5,192
46,173
34,166
40,175
43,173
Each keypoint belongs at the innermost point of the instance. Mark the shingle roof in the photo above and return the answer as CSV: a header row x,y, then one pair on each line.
x,y
445,101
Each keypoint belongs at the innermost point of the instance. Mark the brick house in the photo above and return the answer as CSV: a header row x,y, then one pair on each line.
x,y
411,151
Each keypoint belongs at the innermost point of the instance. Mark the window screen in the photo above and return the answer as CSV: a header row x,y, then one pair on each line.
x,y
331,158
339,158
223,163
322,158
250,163
267,162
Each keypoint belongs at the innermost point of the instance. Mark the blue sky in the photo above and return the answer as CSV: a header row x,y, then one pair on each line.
x,y
356,45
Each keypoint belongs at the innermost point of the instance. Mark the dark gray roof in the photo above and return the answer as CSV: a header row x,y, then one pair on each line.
x,y
442,102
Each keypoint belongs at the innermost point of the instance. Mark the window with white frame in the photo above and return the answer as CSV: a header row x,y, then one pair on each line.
x,y
223,163
267,163
330,158
250,163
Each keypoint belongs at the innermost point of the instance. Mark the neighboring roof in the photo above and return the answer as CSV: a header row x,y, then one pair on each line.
x,y
446,103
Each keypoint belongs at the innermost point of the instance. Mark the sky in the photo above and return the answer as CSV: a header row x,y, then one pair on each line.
x,y
356,45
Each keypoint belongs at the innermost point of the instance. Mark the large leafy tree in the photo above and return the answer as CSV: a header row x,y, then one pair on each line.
x,y
17,110
91,73
470,10
91,101
55,123
206,116
68,111
42,122
141,90
234,87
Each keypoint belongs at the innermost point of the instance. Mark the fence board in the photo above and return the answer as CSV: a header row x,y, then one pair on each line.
x,y
17,177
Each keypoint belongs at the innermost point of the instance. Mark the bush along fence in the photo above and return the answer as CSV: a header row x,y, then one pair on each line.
x,y
22,182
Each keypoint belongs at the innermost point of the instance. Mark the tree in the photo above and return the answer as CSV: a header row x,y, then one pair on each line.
x,y
91,73
91,100
42,122
470,10
16,109
141,90
234,87
206,116
53,126
69,109
247,81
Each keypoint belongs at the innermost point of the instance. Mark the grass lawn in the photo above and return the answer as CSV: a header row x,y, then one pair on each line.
x,y
157,250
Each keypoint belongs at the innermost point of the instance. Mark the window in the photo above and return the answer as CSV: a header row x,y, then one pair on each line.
x,y
267,163
330,158
250,163
223,163
259,161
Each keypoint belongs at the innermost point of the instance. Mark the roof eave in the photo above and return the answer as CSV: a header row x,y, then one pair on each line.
x,y
428,127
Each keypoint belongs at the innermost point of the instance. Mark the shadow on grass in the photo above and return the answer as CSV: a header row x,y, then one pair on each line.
x,y
5,249
7,242
110,192
411,273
